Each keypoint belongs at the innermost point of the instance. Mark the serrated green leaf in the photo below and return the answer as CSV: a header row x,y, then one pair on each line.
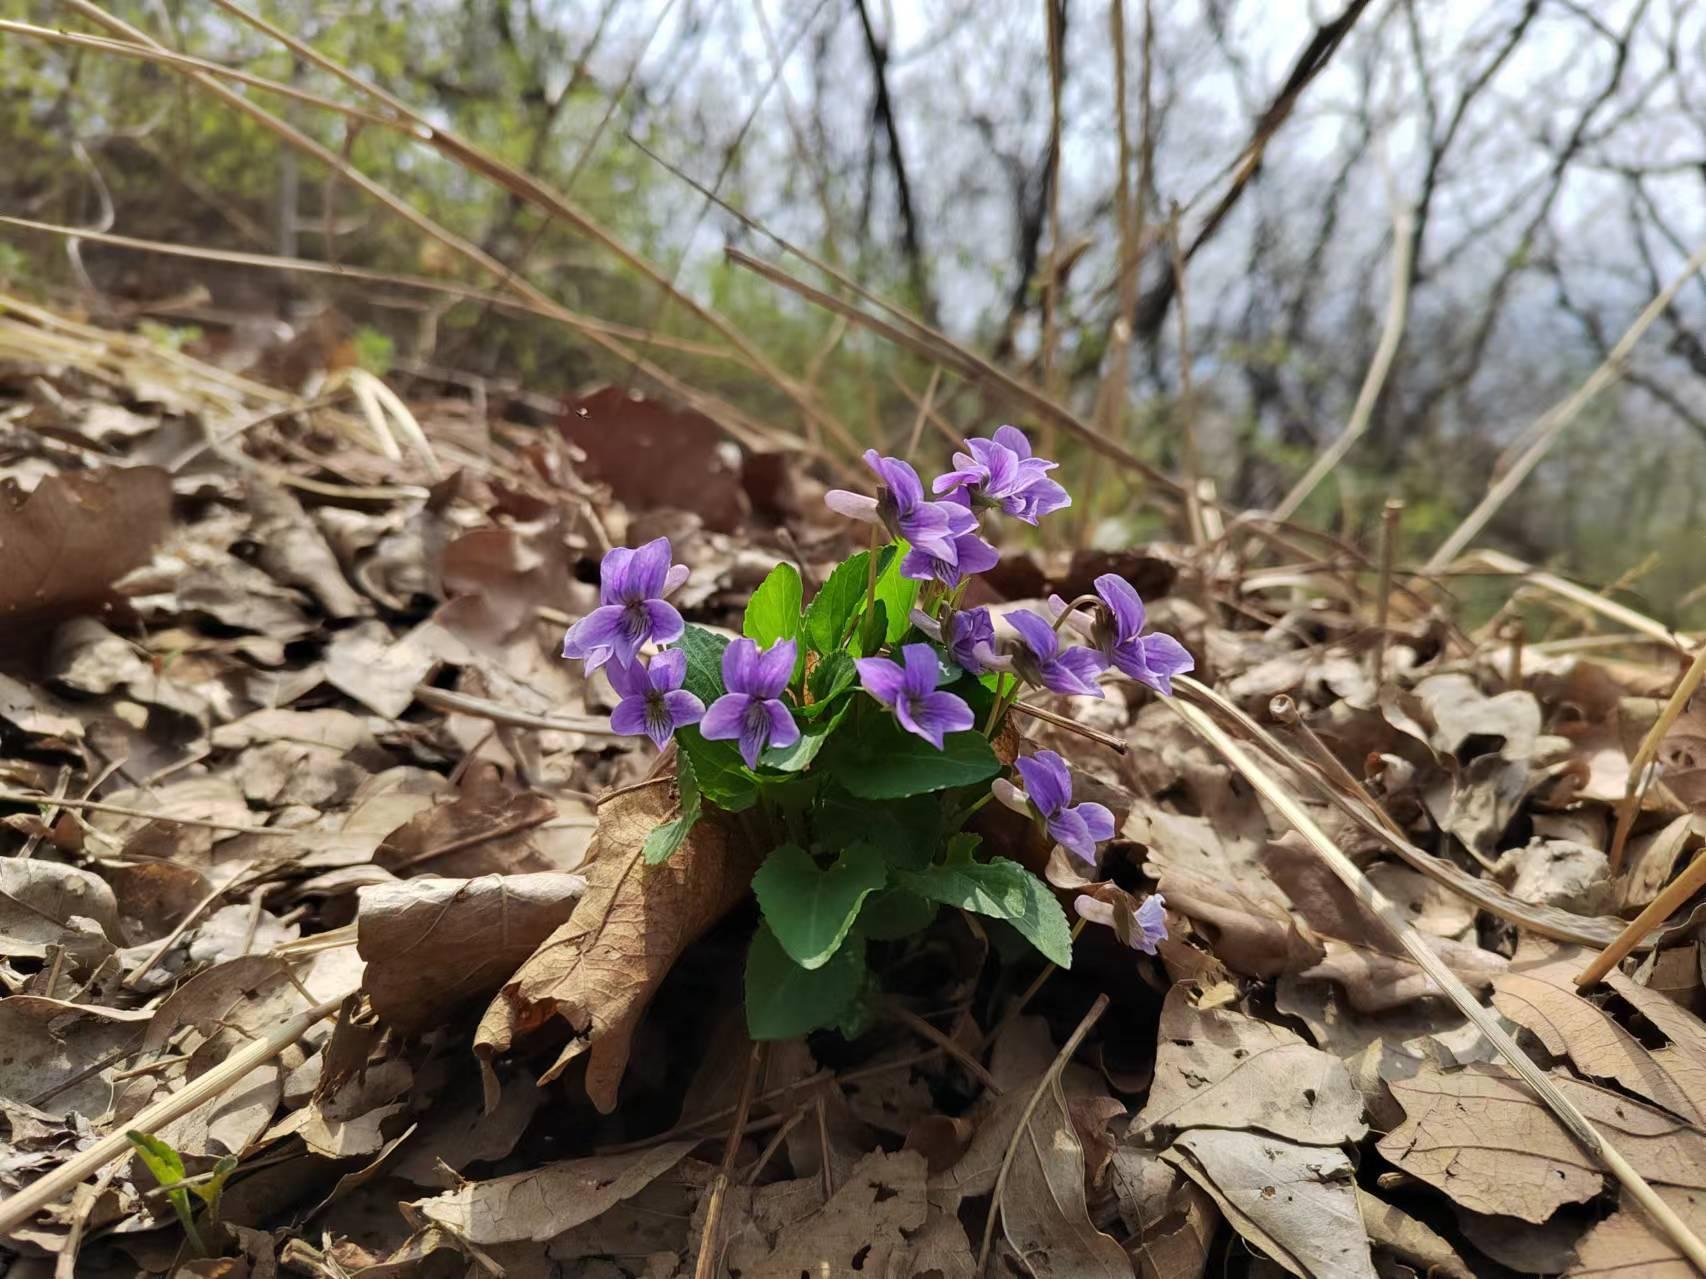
x,y
704,651
1001,889
668,836
895,913
838,599
881,760
773,612
784,1000
897,594
160,1159
722,777
809,909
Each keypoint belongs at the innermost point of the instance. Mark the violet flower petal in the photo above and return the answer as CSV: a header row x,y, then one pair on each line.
x,y
1151,921
919,670
770,673
855,506
881,678
725,717
1124,603
1047,781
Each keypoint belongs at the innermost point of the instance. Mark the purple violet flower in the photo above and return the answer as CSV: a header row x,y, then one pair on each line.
x,y
1044,663
1150,659
752,709
962,632
909,689
1047,796
899,506
653,702
1001,472
632,585
1142,929
971,553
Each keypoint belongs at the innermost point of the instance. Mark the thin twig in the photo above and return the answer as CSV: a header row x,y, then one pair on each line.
x,y
1426,958
119,810
1675,893
706,1266
1043,1085
1389,517
913,1022
1648,752
18,1209
1116,744
483,708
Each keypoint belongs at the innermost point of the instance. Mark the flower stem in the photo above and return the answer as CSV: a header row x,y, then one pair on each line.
x,y
995,707
871,574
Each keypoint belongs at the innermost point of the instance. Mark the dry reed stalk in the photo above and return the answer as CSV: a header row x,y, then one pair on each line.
x,y
1675,893
1423,955
1648,752
17,1210
1499,562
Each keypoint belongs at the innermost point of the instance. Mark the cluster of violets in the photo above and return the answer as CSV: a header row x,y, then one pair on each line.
x,y
946,549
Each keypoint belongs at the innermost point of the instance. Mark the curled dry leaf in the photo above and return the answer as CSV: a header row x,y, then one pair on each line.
x,y
1170,1219
1479,1135
489,827
1297,1204
544,1202
863,1227
1539,993
433,944
600,969
1044,1214
1412,1241
66,543
48,903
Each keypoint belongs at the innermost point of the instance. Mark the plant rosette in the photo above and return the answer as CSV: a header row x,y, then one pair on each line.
x,y
851,733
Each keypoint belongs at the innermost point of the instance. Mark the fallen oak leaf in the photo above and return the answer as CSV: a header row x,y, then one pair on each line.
x,y
600,969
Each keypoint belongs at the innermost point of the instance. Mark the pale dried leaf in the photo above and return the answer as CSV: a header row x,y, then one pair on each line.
x,y
1044,1215
1170,1219
1295,1203
39,900
433,944
600,969
1480,1135
1219,1068
544,1202
1539,992
862,1227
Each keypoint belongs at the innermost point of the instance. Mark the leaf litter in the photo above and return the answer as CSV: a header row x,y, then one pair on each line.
x,y
282,731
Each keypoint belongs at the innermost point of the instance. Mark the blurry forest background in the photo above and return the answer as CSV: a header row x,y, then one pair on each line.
x,y
1029,175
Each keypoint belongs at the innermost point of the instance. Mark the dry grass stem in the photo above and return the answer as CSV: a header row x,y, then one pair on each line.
x,y
709,1251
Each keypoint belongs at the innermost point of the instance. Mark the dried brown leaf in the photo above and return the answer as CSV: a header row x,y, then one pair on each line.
x,y
600,969
1044,1215
1479,1135
1539,992
1295,1203
1218,1068
46,903
1170,1219
432,944
488,827
544,1202
65,544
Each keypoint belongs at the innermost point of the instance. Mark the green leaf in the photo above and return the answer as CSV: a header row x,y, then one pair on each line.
x,y
211,1190
669,836
1000,889
722,777
810,910
773,612
836,602
895,913
907,832
831,677
896,593
883,761
159,1158
784,1000
704,651
873,631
